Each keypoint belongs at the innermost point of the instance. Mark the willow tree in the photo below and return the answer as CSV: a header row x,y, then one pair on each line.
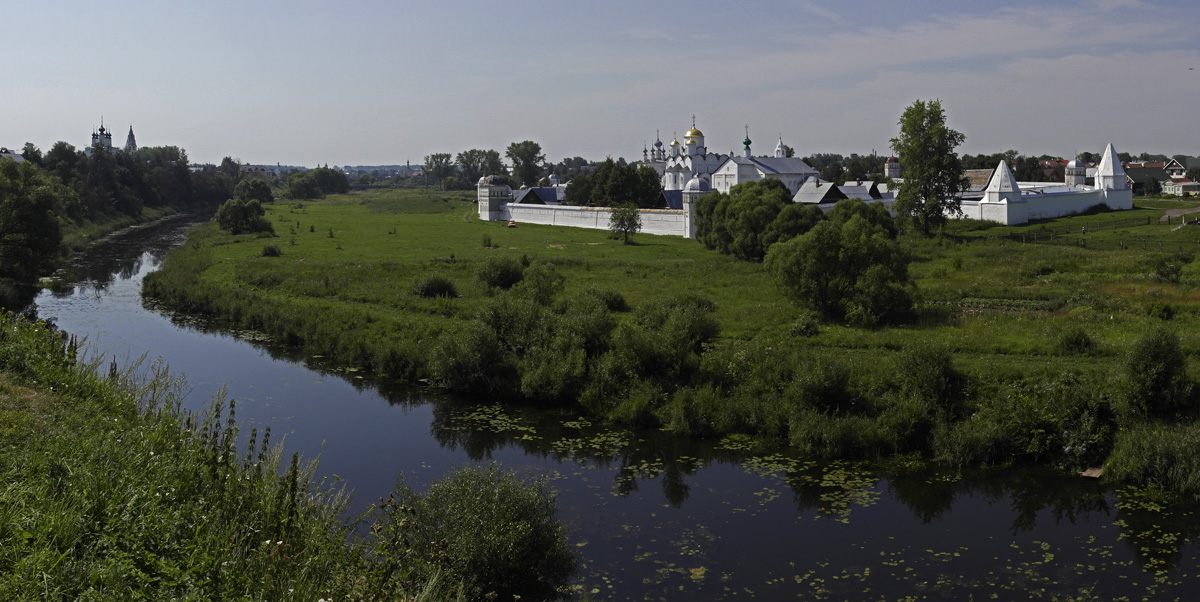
x,y
933,171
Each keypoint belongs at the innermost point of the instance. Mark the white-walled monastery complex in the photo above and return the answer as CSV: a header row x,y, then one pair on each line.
x,y
688,171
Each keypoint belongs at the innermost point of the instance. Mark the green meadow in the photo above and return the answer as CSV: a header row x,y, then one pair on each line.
x,y
1019,351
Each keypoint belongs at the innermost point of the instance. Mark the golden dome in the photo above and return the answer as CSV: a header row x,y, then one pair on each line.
x,y
675,142
693,133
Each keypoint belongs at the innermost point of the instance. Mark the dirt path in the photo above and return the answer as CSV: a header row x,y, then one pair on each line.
x,y
1178,212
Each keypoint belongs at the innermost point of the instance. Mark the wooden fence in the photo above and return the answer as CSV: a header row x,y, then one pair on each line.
x,y
1075,235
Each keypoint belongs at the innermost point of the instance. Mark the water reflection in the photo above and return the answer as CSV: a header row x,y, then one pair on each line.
x,y
122,255
19,299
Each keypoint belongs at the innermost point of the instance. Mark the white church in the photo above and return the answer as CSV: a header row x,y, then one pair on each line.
x,y
681,164
102,141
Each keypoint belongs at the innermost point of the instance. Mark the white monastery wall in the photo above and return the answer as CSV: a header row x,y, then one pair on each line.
x,y
668,222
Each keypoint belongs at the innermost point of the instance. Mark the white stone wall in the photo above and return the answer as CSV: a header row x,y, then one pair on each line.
x,y
1043,206
668,222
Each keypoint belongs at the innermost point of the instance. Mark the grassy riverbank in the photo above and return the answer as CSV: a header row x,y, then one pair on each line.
x,y
1020,352
111,492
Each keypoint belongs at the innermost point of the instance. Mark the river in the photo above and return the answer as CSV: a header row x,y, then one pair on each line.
x,y
654,516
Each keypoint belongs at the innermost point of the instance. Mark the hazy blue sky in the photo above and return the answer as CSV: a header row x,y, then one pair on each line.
x,y
381,82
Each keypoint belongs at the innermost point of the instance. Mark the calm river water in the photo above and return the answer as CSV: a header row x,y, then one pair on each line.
x,y
653,516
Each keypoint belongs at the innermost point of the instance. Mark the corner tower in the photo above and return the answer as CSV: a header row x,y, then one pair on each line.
x,y
130,142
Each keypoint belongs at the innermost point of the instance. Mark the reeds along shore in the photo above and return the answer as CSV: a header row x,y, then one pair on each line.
x,y
114,491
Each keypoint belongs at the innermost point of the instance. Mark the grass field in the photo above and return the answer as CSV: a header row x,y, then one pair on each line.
x,y
1009,317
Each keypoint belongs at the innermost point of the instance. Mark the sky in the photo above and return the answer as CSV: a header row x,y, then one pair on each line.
x,y
381,82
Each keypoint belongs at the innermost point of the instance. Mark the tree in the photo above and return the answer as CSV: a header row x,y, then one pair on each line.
x,y
29,230
243,217
438,166
626,221
613,185
527,158
848,267
303,185
491,164
232,169
1153,187
933,172
738,223
834,172
1193,174
62,159
254,189
331,181
32,153
1027,169
364,181
470,163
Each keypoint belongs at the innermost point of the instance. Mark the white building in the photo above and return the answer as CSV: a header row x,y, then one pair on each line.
x,y
735,170
1009,202
679,163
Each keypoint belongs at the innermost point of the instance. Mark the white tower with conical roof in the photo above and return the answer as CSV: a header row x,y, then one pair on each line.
x,y
1109,174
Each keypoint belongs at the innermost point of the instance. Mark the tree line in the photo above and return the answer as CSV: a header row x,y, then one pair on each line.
x,y
462,171
50,190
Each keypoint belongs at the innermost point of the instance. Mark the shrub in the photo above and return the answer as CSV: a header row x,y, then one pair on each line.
x,y
1169,268
1160,310
666,337
433,285
1063,418
491,532
271,251
1074,340
613,300
1168,456
807,325
1155,372
501,272
540,282
471,359
824,386
926,372
487,241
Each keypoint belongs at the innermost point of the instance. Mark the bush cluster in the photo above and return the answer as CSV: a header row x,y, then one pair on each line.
x,y
528,342
433,285
848,266
484,528
501,272
243,217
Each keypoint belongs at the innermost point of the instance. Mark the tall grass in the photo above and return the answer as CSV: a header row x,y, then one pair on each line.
x,y
113,492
